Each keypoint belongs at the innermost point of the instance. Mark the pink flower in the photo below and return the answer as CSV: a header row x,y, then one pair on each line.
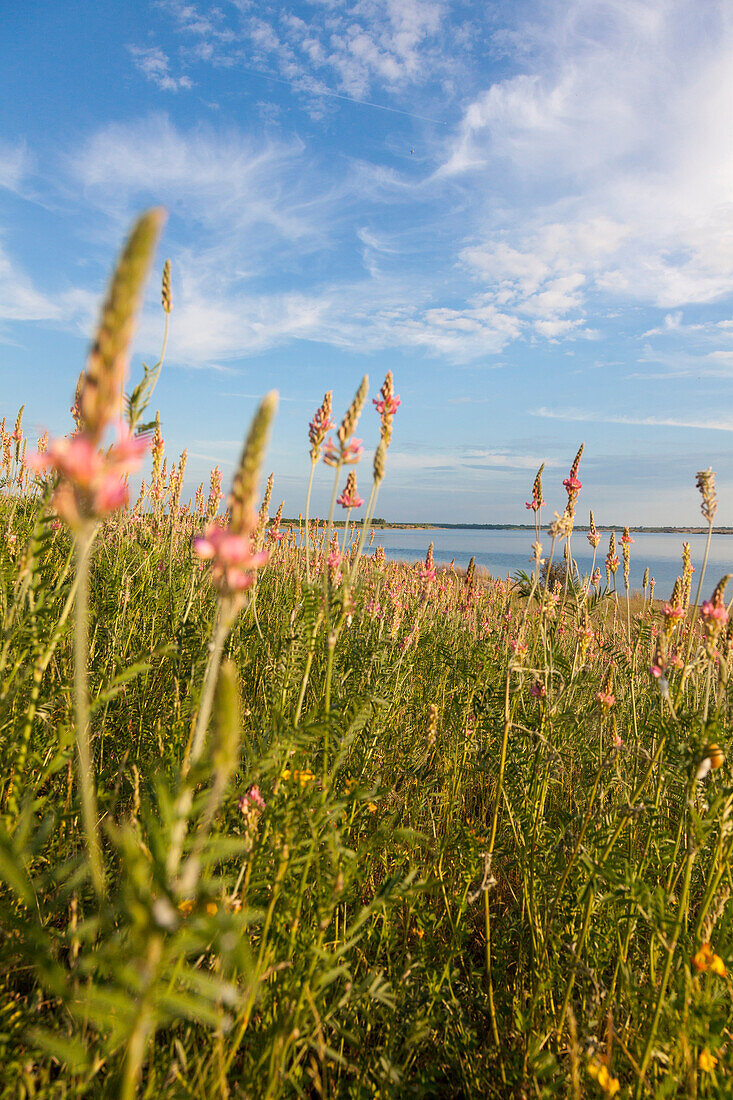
x,y
91,481
537,690
518,647
388,407
348,455
626,539
232,560
714,612
534,505
605,698
617,741
673,614
347,500
572,484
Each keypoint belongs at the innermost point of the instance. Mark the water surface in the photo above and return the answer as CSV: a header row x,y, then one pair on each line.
x,y
503,552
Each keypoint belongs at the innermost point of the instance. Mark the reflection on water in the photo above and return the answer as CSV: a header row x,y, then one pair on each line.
x,y
503,552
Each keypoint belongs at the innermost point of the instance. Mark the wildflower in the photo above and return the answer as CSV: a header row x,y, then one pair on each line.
x,y
562,525
605,698
596,577
536,502
91,482
715,614
252,798
572,483
349,497
600,1072
537,690
303,777
713,758
518,647
593,537
232,560
387,406
211,908
705,960
347,455
626,538
611,556
427,574
706,1061
705,481
321,423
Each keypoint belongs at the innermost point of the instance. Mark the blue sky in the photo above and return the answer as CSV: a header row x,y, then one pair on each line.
x,y
524,209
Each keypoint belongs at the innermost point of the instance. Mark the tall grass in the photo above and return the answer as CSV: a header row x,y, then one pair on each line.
x,y
326,825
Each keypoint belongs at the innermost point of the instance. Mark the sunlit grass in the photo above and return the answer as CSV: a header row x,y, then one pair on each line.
x,y
329,825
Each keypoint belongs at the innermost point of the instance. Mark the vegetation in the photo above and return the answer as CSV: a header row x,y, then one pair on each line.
x,y
280,818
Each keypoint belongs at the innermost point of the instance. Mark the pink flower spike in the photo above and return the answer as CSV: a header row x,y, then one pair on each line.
x,y
389,407
573,484
347,501
714,612
111,494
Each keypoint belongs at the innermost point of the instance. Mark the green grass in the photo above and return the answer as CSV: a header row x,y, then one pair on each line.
x,y
434,838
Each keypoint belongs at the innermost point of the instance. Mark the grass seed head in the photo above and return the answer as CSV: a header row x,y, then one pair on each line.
x,y
165,290
705,481
351,419
100,396
244,488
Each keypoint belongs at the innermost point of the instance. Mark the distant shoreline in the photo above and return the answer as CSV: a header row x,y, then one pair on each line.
x,y
601,527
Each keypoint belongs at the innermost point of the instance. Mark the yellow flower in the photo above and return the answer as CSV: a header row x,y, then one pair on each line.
x,y
212,908
372,807
600,1072
706,1061
303,777
705,959
717,966
186,906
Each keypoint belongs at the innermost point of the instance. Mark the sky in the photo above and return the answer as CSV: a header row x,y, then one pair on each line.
x,y
523,209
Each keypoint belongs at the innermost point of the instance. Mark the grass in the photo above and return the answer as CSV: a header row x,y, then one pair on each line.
x,y
380,832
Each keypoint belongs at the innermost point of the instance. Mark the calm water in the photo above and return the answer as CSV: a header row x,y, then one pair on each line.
x,y
502,552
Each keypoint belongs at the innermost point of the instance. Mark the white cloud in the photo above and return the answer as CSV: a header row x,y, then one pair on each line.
x,y
15,164
20,300
609,156
352,48
214,177
154,64
712,423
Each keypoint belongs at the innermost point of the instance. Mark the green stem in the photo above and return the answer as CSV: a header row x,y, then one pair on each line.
x,y
87,782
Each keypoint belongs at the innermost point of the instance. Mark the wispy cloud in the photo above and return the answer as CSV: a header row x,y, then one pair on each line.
x,y
712,423
15,164
155,65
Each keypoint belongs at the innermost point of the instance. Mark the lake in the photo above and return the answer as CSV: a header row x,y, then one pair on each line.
x,y
502,552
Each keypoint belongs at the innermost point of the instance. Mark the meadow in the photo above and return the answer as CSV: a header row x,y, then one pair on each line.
x,y
283,818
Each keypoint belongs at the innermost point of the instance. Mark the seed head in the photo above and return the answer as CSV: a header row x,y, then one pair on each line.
x,y
244,488
705,481
100,396
351,419
165,293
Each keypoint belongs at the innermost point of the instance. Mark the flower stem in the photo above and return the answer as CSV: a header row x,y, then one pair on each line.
x,y
87,784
